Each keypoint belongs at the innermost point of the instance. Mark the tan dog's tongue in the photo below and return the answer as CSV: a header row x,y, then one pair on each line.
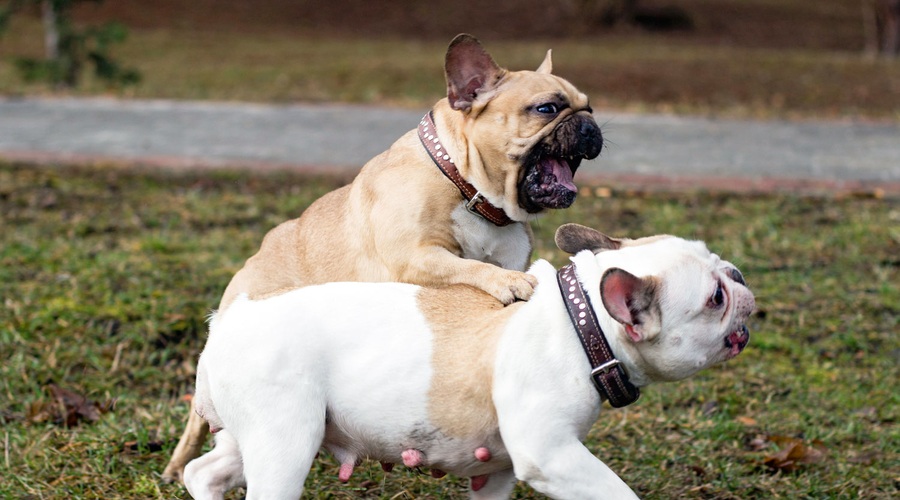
x,y
563,173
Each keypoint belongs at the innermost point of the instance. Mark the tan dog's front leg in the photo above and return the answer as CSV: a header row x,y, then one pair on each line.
x,y
188,447
506,286
438,266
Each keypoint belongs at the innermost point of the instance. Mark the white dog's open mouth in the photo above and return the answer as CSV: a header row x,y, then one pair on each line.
x,y
737,340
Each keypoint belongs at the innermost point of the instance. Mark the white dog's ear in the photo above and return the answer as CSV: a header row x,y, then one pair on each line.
x,y
633,302
470,71
547,65
573,238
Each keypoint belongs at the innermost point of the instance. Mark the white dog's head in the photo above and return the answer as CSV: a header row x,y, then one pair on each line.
x,y
679,308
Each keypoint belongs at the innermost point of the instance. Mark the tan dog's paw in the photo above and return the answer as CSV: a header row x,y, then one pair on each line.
x,y
512,286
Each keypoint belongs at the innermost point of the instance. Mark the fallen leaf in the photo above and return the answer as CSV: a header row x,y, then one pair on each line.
x,y
794,453
67,408
748,421
133,447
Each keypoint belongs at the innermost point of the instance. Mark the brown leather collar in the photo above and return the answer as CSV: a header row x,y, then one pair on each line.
x,y
606,372
476,203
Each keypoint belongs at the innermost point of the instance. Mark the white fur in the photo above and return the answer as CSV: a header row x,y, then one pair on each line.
x,y
360,353
508,247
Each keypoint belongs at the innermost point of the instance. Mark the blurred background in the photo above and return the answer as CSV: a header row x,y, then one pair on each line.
x,y
744,58
108,271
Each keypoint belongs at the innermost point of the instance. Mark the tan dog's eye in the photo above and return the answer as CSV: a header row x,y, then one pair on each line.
x,y
548,108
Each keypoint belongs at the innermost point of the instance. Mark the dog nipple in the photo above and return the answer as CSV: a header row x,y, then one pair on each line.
x,y
437,473
478,482
387,466
213,430
482,454
345,472
413,458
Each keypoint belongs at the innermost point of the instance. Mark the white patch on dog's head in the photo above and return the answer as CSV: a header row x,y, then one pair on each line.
x,y
679,307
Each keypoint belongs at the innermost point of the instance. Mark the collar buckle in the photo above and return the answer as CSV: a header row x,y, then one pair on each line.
x,y
605,367
472,204
476,203
607,374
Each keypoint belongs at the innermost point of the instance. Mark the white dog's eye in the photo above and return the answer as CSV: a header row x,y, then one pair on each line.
x,y
718,297
548,108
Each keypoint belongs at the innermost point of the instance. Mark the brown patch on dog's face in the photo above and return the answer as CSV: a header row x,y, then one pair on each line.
x,y
460,400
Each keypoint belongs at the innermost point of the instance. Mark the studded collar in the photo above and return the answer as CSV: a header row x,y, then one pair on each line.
x,y
607,373
475,201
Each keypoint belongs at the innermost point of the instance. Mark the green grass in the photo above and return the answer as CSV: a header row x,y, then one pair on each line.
x,y
107,274
634,73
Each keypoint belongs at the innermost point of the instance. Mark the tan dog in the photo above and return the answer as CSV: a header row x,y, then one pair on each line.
x,y
448,203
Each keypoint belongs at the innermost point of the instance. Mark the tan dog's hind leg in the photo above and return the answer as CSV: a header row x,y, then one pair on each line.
x,y
188,447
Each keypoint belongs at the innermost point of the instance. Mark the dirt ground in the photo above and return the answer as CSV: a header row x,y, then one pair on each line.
x,y
817,25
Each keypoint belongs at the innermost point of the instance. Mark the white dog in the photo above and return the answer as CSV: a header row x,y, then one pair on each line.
x,y
452,380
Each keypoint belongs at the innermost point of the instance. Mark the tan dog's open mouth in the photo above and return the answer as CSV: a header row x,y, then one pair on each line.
x,y
548,180
550,184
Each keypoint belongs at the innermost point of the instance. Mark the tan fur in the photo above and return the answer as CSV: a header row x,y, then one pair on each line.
x,y
371,230
464,348
189,445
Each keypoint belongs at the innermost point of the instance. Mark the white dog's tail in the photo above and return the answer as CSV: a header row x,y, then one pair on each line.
x,y
203,403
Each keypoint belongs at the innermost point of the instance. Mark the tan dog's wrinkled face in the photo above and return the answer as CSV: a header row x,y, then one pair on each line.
x,y
683,308
531,129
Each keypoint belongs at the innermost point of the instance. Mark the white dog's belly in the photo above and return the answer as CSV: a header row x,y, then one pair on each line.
x,y
352,440
374,382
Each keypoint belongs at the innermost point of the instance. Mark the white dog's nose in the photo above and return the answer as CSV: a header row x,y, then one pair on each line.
x,y
746,303
736,276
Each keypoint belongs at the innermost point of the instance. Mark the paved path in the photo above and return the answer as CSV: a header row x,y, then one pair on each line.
x,y
643,150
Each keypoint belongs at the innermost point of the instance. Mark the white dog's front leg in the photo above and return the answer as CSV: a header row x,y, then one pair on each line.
x,y
569,471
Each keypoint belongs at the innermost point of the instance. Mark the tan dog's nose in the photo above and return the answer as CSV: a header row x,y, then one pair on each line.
x,y
591,140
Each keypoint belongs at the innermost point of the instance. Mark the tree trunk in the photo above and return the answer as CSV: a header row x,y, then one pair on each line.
x,y
881,23
892,28
51,33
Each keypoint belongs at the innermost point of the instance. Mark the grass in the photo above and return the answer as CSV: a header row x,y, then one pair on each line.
x,y
106,275
637,73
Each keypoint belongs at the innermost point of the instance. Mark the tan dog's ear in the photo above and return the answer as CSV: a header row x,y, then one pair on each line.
x,y
547,65
633,302
573,238
470,71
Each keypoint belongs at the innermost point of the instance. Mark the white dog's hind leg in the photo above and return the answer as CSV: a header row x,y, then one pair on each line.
x,y
493,486
212,475
279,448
